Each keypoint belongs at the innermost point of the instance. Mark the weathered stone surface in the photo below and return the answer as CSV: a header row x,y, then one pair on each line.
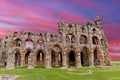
x,y
75,45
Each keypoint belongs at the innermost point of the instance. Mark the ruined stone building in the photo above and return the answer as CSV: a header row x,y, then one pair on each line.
x,y
75,45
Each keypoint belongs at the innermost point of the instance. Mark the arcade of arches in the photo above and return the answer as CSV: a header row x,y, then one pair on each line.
x,y
58,58
75,45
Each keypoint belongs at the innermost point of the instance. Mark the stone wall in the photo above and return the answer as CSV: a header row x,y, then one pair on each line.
x,y
75,45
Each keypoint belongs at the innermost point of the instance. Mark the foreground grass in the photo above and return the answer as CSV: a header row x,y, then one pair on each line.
x,y
40,73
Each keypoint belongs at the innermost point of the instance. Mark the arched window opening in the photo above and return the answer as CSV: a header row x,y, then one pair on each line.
x,y
71,58
40,45
26,57
70,38
95,40
18,42
56,56
84,57
17,59
94,30
40,58
83,39
29,44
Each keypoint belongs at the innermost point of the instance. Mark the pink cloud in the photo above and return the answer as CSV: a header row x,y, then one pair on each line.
x,y
35,20
72,17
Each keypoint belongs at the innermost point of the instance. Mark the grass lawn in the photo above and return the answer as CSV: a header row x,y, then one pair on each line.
x,y
40,73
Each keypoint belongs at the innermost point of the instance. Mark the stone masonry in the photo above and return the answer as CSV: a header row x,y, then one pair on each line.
x,y
75,45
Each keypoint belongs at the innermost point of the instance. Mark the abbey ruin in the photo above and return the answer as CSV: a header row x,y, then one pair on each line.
x,y
75,45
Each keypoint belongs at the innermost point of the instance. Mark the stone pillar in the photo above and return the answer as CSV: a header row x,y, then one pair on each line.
x,y
57,59
10,61
101,59
91,60
64,60
30,61
78,59
48,60
22,61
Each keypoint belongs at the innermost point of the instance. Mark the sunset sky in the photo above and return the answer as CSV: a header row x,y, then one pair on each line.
x,y
43,15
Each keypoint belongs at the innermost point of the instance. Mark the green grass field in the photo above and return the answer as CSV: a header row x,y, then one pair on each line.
x,y
40,73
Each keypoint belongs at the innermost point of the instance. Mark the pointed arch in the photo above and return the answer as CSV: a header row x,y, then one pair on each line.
x,y
26,55
40,57
39,44
71,58
18,42
29,43
83,39
56,55
85,56
94,30
70,38
96,56
17,57
95,40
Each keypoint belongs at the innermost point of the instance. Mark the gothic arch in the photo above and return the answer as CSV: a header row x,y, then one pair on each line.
x,y
94,30
18,42
83,39
56,55
29,43
71,58
40,57
70,38
95,40
26,55
84,54
17,54
39,44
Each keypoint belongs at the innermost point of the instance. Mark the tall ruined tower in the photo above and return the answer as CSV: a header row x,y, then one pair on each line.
x,y
75,45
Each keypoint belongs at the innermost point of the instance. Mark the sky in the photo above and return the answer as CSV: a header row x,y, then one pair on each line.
x,y
43,15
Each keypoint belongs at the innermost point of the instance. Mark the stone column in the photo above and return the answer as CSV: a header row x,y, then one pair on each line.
x,y
30,61
64,60
91,59
78,59
56,59
10,61
101,60
22,61
22,58
48,60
